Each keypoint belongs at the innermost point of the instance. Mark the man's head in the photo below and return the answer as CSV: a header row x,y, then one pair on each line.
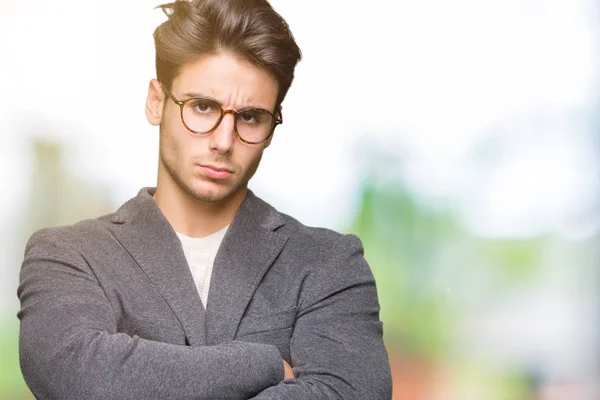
x,y
235,54
248,29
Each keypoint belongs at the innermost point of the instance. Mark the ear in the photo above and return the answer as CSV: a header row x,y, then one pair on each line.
x,y
154,102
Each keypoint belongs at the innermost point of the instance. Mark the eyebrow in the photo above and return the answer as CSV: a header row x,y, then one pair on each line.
x,y
196,95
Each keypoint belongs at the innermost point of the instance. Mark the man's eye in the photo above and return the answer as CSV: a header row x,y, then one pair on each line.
x,y
253,117
248,117
203,106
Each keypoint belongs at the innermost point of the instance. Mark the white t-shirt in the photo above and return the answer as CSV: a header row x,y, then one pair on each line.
x,y
200,254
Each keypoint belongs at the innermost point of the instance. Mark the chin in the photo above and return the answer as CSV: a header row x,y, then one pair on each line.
x,y
208,196
212,194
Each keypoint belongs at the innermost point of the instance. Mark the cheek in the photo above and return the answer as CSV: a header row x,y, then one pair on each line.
x,y
251,160
171,124
173,143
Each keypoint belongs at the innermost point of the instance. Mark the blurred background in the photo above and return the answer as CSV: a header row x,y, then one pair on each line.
x,y
460,140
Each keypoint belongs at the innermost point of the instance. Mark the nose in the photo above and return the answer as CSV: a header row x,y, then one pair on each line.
x,y
223,137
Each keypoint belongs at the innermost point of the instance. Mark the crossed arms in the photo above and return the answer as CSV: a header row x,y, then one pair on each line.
x,y
70,347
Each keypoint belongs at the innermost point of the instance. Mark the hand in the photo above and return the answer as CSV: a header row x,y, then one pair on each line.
x,y
288,372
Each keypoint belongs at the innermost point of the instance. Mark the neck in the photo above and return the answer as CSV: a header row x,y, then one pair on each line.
x,y
193,217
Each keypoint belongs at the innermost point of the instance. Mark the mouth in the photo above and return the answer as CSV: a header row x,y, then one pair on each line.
x,y
215,172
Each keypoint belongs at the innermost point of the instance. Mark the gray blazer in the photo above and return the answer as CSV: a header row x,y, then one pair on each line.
x,y
109,310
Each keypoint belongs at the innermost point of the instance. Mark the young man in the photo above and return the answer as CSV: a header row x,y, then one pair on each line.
x,y
198,289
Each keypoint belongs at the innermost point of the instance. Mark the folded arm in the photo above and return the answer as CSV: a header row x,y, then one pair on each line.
x,y
70,347
337,349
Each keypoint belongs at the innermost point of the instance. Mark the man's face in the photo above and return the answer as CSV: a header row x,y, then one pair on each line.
x,y
217,166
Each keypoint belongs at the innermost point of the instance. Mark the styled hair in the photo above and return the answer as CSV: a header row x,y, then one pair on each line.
x,y
249,29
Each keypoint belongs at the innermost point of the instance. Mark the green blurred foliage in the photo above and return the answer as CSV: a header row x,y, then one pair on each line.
x,y
426,265
12,385
467,380
402,242
519,260
430,272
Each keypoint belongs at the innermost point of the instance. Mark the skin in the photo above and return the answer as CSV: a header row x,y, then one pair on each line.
x,y
288,372
194,202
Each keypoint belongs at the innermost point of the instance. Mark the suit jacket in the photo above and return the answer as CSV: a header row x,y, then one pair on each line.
x,y
109,310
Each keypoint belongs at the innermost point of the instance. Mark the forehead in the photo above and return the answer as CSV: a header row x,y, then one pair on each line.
x,y
228,79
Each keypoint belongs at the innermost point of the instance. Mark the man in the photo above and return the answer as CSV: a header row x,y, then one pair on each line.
x,y
198,289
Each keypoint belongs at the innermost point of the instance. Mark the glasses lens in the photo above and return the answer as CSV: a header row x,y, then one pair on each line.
x,y
254,124
201,115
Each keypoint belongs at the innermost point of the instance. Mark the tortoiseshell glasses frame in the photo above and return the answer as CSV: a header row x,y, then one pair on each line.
x,y
275,119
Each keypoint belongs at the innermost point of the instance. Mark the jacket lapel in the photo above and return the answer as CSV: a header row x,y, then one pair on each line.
x,y
146,234
248,249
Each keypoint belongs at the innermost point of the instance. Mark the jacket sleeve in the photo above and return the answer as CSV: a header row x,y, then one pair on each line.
x,y
70,349
337,349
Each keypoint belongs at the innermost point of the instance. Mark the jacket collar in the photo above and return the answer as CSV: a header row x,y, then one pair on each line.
x,y
249,247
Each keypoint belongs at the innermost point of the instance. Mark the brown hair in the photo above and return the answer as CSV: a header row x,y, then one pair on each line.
x,y
250,29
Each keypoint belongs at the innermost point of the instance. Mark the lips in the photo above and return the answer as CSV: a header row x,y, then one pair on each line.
x,y
215,172
221,169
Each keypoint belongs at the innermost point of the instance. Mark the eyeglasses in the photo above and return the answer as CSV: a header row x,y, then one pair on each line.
x,y
201,116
